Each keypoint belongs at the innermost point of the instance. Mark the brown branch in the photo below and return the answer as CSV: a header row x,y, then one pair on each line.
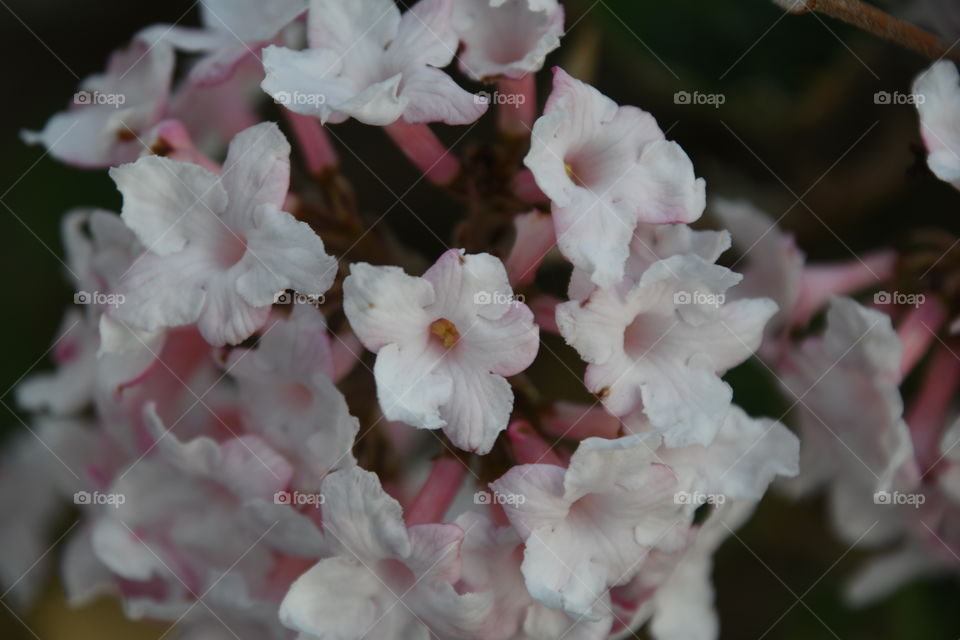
x,y
877,22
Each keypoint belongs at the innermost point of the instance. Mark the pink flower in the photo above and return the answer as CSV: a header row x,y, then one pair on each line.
x,y
232,30
586,527
662,345
288,398
385,580
444,343
937,92
368,62
606,168
850,415
112,110
506,37
219,248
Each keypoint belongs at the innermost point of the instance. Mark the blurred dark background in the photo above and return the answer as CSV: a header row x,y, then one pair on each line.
x,y
799,121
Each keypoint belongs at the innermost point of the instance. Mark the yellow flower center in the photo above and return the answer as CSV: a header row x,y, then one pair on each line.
x,y
446,331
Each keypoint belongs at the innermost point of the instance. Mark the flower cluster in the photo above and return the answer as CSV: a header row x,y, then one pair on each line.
x,y
212,406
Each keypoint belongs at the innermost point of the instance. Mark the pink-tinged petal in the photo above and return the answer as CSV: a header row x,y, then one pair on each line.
x,y
450,614
433,96
227,318
560,573
337,598
411,388
251,20
256,172
288,530
435,552
544,623
282,253
112,109
606,168
663,344
425,35
939,88
71,387
126,353
340,25
535,238
772,265
85,578
883,575
506,38
168,204
477,409
360,519
384,305
306,81
377,104
743,459
163,291
246,465
532,496
123,553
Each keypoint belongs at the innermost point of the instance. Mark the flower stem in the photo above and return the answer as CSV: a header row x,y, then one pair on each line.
x,y
518,108
438,492
425,150
315,145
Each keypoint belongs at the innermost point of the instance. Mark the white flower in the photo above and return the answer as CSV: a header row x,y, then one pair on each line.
x,y
113,110
232,30
287,396
939,88
444,343
385,580
368,62
662,345
589,526
219,248
850,415
606,168
506,37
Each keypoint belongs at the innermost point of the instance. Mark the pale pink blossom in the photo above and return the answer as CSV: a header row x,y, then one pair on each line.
x,y
844,386
232,31
288,398
506,37
384,579
218,248
607,168
937,92
586,527
445,343
112,110
367,61
662,345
